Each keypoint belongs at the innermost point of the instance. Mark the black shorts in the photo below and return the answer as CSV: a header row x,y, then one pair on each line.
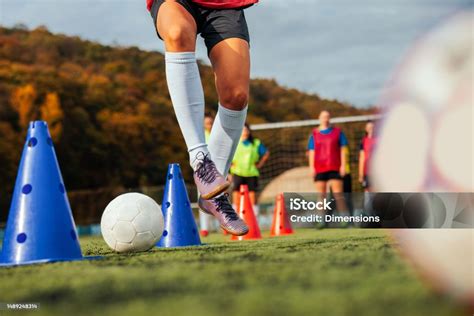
x,y
213,25
251,182
328,175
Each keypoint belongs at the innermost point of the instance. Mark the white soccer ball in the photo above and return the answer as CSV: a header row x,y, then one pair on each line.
x,y
426,145
425,137
132,222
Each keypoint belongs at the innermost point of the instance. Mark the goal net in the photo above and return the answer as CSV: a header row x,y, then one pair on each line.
x,y
287,168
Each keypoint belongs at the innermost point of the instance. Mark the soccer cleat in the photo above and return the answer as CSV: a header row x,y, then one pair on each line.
x,y
221,209
204,233
209,181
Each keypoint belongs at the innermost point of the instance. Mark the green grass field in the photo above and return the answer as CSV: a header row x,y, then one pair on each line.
x,y
325,272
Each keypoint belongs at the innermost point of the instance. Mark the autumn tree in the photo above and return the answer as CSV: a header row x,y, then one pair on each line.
x,y
10,143
22,101
52,113
109,110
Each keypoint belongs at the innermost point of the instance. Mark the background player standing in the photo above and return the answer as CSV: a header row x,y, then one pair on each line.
x,y
367,146
327,159
250,156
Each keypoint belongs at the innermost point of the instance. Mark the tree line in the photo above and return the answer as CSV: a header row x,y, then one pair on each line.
x,y
108,109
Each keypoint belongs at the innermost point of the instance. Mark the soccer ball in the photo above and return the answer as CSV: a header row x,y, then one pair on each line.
x,y
425,137
132,222
425,145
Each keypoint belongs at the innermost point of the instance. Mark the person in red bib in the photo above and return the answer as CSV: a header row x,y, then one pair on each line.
x,y
367,146
222,25
327,159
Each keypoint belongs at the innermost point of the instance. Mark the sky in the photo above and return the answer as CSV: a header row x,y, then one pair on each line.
x,y
339,49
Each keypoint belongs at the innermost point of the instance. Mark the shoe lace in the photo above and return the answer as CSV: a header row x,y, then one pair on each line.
x,y
206,170
223,206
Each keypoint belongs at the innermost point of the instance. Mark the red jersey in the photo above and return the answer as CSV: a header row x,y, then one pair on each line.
x,y
216,4
368,144
327,153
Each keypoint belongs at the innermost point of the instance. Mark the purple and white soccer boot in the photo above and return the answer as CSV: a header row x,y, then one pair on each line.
x,y
209,181
221,209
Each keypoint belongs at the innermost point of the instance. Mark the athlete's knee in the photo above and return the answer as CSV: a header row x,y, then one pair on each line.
x,y
236,99
179,37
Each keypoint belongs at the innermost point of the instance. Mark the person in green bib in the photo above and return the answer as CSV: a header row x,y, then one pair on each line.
x,y
249,157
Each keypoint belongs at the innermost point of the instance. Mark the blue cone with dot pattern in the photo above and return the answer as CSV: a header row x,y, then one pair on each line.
x,y
180,226
40,225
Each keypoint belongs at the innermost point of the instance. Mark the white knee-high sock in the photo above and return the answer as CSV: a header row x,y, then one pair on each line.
x,y
225,136
186,92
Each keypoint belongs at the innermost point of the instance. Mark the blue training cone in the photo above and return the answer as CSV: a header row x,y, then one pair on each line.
x,y
40,226
180,226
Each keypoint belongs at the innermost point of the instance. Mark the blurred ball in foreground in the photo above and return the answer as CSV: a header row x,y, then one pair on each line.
x,y
443,257
132,222
425,136
426,145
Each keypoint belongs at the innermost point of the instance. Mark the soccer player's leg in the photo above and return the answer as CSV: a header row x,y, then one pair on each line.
x,y
230,60
227,39
231,63
178,28
321,187
337,188
237,181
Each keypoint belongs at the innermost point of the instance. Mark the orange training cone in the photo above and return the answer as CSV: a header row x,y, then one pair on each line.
x,y
247,214
281,223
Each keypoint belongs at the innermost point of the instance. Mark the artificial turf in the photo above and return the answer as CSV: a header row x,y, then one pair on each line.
x,y
313,272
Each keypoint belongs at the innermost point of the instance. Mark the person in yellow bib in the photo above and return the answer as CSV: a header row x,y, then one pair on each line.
x,y
249,157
